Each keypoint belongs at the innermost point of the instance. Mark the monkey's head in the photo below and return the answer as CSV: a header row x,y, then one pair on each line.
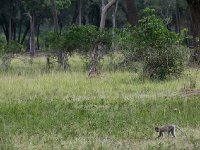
x,y
157,129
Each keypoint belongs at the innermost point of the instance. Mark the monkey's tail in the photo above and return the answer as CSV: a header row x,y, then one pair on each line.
x,y
182,132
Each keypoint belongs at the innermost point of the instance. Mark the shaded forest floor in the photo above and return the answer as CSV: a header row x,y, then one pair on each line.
x,y
42,109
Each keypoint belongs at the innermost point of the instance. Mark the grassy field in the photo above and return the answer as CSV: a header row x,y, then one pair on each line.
x,y
117,110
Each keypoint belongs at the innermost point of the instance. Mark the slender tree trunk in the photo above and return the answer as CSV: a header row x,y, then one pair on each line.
x,y
32,38
32,34
94,62
114,17
60,54
10,30
20,30
79,12
178,22
132,12
86,14
14,31
95,57
25,34
75,15
190,31
194,6
38,33
55,17
102,5
60,26
104,13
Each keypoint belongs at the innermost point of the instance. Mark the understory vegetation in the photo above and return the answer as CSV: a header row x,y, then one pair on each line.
x,y
116,110
159,51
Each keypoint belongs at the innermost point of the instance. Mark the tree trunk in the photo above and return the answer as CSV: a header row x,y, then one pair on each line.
x,y
14,27
132,12
61,55
104,13
94,62
9,30
25,34
178,17
114,18
114,15
79,12
20,30
194,6
75,13
63,60
55,17
38,33
32,34
95,57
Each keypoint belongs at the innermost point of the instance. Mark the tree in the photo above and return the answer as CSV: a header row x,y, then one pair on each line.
x,y
105,11
159,49
79,12
194,6
55,16
32,9
178,24
8,11
32,34
132,12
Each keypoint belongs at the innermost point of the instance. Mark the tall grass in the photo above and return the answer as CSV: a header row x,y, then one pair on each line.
x,y
117,110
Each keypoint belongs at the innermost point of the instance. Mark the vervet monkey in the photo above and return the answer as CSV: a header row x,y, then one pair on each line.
x,y
169,129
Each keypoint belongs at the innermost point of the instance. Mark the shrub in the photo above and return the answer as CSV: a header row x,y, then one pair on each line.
x,y
88,41
7,52
84,38
160,48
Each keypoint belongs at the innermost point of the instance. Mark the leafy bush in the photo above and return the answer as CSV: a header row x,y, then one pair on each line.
x,y
77,38
84,38
160,48
7,52
13,48
152,44
50,41
2,44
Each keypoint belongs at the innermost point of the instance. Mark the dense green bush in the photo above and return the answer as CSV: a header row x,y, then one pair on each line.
x,y
77,38
7,52
159,49
2,43
84,38
88,41
162,51
12,48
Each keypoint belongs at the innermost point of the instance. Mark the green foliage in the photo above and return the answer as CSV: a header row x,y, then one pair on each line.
x,y
161,50
2,44
51,41
7,52
62,4
12,48
77,38
156,47
84,38
80,37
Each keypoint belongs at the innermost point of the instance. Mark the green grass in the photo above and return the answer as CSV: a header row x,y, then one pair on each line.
x,y
117,110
